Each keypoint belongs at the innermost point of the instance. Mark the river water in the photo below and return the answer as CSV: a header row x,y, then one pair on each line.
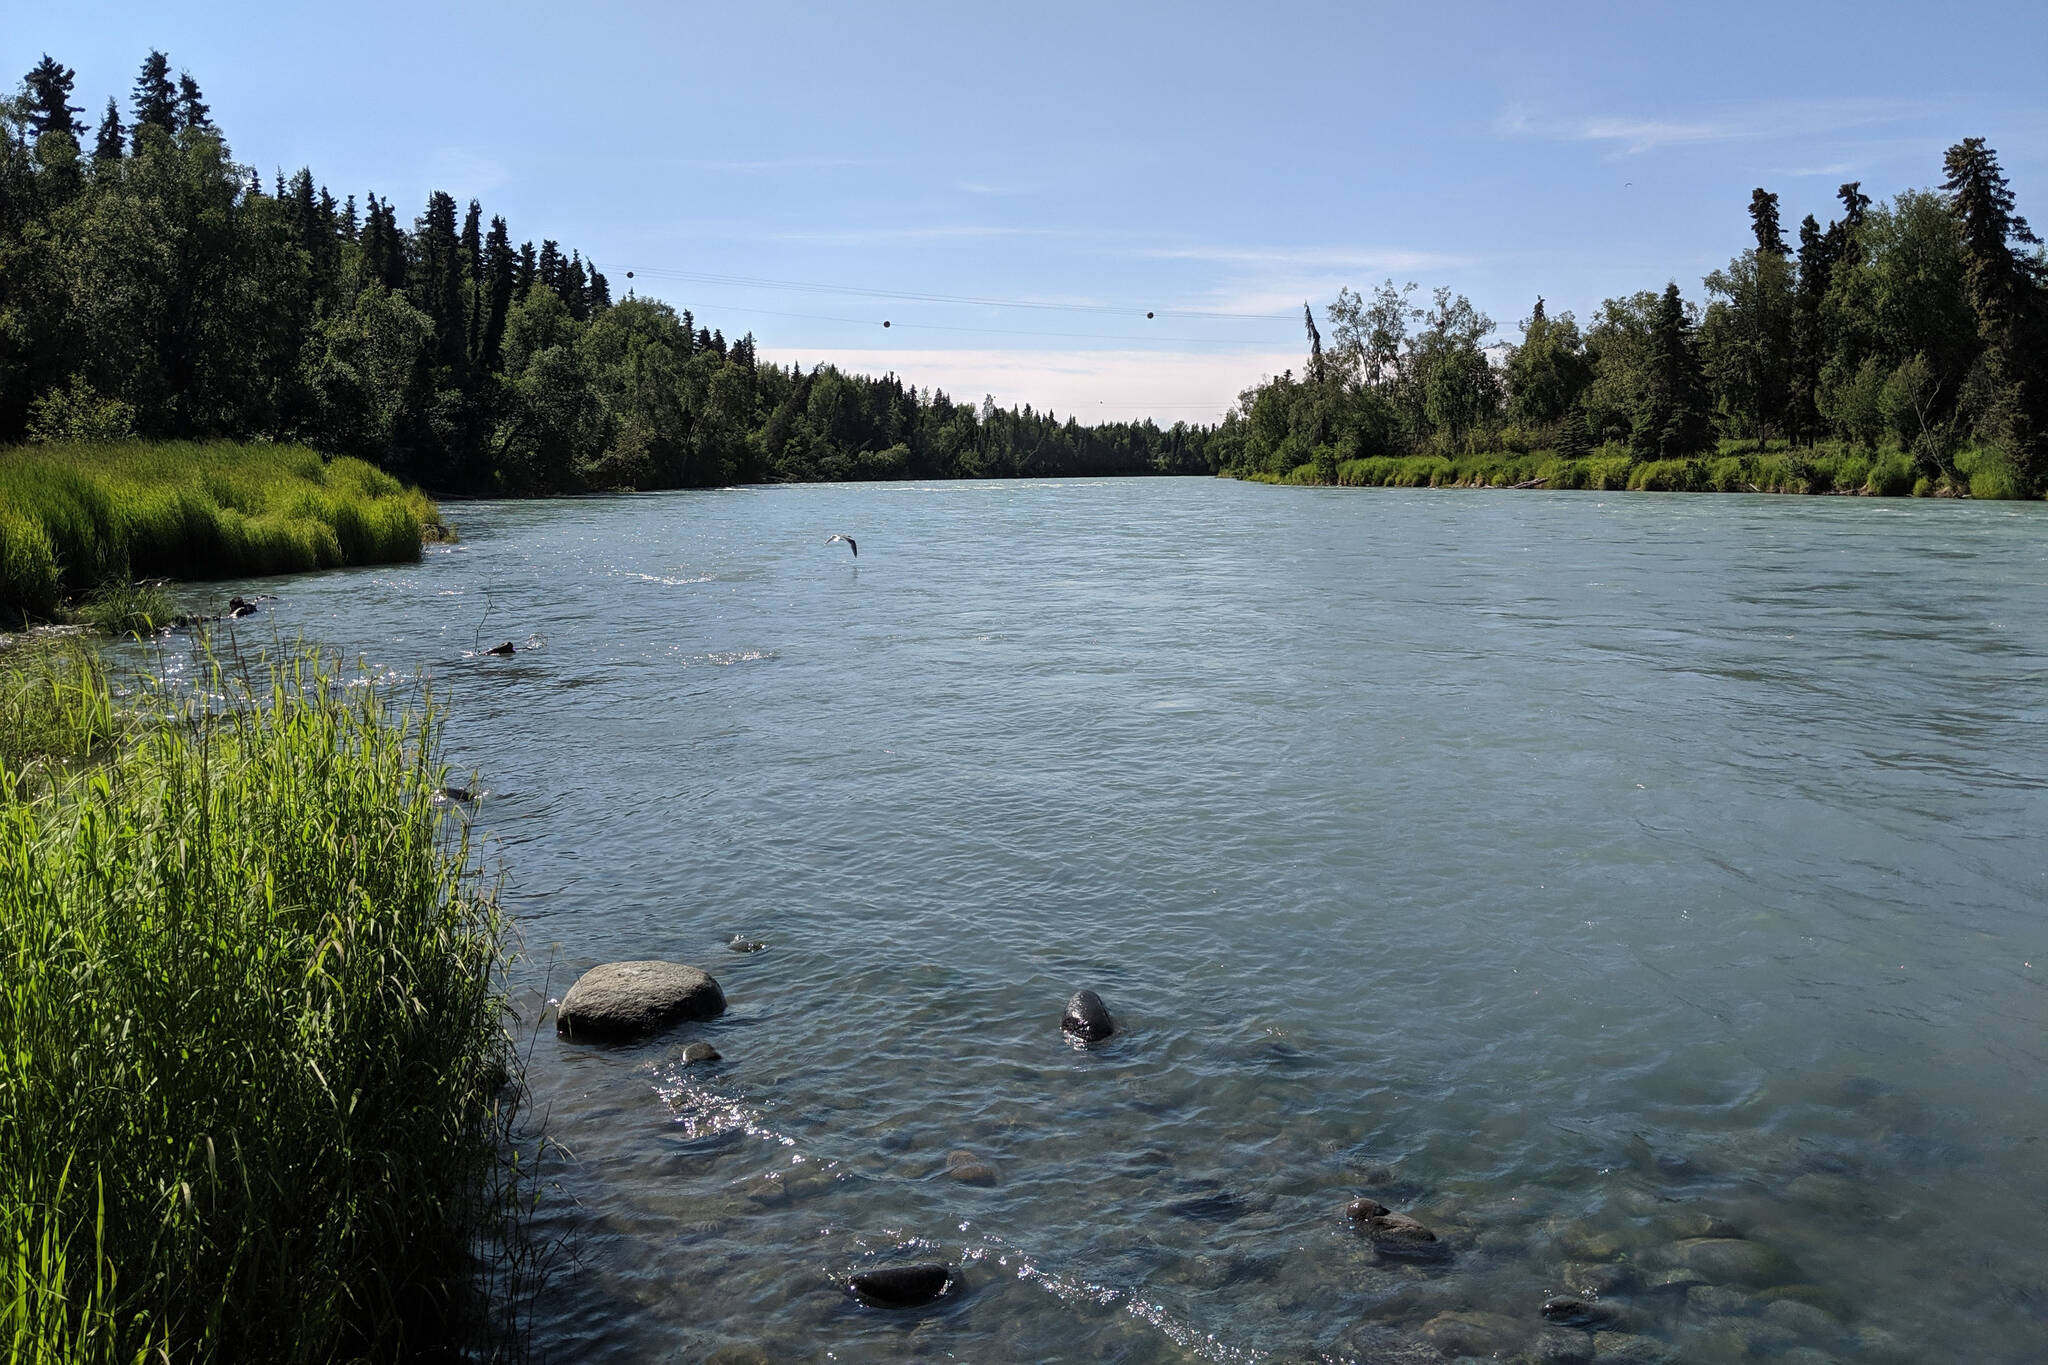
x,y
1584,875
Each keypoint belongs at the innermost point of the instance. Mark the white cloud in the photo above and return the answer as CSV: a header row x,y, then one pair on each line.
x,y
1092,386
1308,257
1759,121
923,236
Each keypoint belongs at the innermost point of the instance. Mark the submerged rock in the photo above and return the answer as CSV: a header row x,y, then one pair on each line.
x,y
969,1169
1396,1234
701,1052
1087,1018
906,1286
1733,1260
506,648
742,944
457,794
1566,1311
619,1000
1475,1334
1366,1208
237,609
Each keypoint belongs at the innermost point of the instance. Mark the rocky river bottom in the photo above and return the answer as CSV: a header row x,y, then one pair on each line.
x,y
1643,893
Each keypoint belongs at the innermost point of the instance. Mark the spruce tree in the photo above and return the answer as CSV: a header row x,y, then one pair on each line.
x,y
156,99
1671,421
2009,294
1763,220
192,110
1809,344
528,271
110,142
350,222
48,99
501,267
1854,204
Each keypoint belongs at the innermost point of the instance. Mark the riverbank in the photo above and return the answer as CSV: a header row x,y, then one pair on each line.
x,y
253,1104
1892,474
81,518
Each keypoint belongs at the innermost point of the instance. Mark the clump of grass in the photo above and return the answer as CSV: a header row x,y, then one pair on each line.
x,y
252,1092
126,609
74,518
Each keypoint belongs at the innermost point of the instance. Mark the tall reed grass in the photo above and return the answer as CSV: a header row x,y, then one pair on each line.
x,y
1977,473
253,1049
74,518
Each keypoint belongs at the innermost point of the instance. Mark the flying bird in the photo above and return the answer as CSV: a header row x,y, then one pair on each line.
x,y
849,544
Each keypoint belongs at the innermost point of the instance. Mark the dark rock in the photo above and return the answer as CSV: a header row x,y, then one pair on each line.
x,y
1366,1208
1396,1234
700,1052
741,944
237,609
1087,1018
629,999
1571,1312
505,648
1218,1207
1602,1279
969,1169
1475,1334
1732,1260
1559,1347
904,1286
455,794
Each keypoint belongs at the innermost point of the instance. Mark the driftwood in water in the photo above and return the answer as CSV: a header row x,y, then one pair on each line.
x,y
1532,483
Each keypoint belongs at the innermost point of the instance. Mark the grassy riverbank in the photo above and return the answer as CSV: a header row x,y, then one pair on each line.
x,y
79,518
252,1092
1738,469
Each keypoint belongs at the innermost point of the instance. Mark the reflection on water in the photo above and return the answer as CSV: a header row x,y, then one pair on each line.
x,y
1645,892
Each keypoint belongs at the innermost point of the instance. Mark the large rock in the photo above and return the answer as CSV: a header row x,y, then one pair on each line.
x,y
620,1000
1475,1334
903,1286
1396,1234
1732,1260
1087,1018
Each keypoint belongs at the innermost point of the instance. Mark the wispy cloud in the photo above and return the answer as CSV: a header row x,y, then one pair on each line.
x,y
776,163
1307,257
1767,120
987,187
929,235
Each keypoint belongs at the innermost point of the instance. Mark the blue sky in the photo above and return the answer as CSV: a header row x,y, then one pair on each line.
x,y
1104,160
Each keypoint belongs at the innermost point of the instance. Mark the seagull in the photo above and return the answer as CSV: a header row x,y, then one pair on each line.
x,y
849,544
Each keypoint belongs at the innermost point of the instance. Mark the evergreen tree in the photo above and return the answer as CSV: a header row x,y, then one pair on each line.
x,y
600,291
437,279
501,267
47,99
350,223
522,283
1671,421
192,110
1763,220
110,142
472,276
1855,203
2006,291
1809,342
156,99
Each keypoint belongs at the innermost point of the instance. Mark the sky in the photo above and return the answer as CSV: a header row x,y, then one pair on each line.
x,y
1013,189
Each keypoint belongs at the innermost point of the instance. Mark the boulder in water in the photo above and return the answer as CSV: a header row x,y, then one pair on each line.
x,y
1396,1234
1087,1018
903,1286
969,1169
700,1052
740,943
1366,1208
619,1000
505,648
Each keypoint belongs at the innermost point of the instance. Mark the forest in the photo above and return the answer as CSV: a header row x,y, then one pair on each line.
x,y
152,287
1902,347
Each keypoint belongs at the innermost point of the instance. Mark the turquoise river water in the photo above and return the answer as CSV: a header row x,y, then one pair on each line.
x,y
1647,892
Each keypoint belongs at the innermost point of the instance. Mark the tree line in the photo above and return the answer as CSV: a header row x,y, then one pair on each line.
x,y
151,286
1918,326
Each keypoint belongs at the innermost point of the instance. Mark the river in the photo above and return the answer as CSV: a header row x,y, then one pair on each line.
x,y
1586,875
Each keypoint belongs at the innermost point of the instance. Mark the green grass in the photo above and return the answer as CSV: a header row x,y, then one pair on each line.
x,y
1737,468
79,518
252,1083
